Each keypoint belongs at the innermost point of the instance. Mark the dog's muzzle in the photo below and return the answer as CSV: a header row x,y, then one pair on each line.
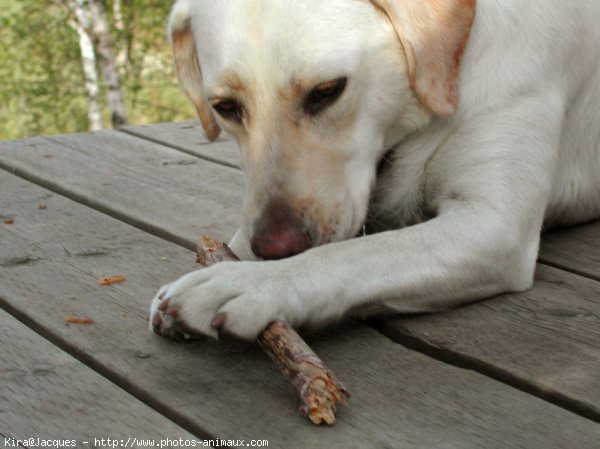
x,y
279,233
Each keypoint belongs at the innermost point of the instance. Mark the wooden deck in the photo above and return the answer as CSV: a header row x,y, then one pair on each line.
x,y
516,371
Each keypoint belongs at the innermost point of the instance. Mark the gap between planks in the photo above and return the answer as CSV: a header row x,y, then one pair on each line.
x,y
413,343
464,361
562,267
132,131
113,376
93,204
44,388
468,403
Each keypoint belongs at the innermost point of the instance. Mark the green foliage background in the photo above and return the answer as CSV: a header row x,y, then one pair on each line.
x,y
41,79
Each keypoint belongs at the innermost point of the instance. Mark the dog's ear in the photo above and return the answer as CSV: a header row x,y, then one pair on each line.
x,y
434,34
187,66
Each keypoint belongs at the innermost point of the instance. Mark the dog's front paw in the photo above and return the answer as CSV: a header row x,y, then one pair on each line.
x,y
163,320
229,300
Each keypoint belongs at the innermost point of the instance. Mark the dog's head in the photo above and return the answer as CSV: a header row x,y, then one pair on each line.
x,y
315,92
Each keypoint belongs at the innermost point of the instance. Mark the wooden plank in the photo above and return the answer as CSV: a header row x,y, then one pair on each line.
x,y
111,171
51,260
46,392
546,340
131,195
188,137
576,249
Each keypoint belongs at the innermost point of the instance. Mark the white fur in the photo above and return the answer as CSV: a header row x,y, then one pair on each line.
x,y
463,198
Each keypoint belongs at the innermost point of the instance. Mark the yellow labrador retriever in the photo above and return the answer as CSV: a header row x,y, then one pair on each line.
x,y
456,128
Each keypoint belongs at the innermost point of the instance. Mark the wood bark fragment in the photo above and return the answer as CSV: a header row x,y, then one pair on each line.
x,y
318,389
77,320
112,280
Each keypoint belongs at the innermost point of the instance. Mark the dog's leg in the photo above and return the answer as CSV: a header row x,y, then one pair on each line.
x,y
488,186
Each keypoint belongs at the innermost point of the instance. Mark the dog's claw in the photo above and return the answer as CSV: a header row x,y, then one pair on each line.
x,y
172,311
163,320
163,305
218,321
214,303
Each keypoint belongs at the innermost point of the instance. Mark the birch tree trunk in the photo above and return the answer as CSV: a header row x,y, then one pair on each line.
x,y
107,63
80,23
118,15
122,53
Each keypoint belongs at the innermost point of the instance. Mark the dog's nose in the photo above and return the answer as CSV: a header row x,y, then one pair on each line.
x,y
279,233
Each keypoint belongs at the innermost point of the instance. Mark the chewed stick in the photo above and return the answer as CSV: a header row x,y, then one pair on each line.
x,y
317,387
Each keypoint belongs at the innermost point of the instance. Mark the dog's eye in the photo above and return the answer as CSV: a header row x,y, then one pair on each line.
x,y
324,95
229,110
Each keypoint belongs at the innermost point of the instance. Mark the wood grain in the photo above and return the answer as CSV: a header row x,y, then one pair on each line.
x,y
576,249
545,340
47,393
189,138
159,208
51,261
155,188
